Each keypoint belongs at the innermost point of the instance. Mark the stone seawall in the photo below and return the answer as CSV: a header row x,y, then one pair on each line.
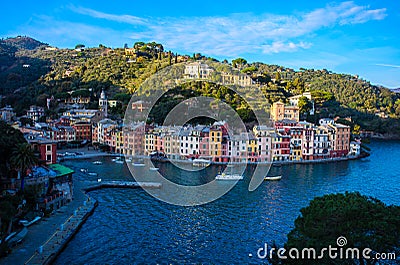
x,y
48,252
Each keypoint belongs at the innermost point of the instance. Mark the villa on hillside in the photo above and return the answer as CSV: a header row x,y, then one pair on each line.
x,y
197,70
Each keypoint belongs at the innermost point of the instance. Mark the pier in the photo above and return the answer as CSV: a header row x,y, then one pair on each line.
x,y
122,185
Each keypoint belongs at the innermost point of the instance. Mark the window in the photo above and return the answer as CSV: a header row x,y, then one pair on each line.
x,y
48,158
48,147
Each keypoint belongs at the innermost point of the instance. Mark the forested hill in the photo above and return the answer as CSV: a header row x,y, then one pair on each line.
x,y
31,71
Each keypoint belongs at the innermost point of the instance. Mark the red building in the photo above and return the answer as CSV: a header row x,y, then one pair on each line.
x,y
45,148
83,131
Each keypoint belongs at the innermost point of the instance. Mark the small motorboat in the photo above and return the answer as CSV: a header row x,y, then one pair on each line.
x,y
97,163
138,164
199,162
84,170
224,176
278,177
119,161
154,168
128,160
99,180
92,174
27,223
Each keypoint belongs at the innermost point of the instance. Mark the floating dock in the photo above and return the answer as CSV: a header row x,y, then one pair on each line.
x,y
122,185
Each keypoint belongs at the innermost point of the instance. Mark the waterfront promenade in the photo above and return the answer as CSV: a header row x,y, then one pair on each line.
x,y
95,153
42,231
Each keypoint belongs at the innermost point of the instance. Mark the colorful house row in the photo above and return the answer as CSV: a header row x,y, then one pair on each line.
x,y
287,140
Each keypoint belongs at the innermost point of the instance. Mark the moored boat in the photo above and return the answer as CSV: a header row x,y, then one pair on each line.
x,y
27,223
97,163
224,176
277,177
199,162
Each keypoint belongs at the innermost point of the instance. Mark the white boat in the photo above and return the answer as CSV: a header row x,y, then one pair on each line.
x,y
27,223
17,238
9,236
92,174
97,163
128,160
99,180
119,161
154,168
138,164
114,159
278,177
84,170
199,162
224,176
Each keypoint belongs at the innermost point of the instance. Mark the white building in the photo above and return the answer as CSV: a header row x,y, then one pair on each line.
x,y
197,70
189,142
7,113
322,143
355,149
35,113
294,100
104,128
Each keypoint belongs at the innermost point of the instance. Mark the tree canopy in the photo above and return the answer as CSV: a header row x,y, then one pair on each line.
x,y
9,140
364,222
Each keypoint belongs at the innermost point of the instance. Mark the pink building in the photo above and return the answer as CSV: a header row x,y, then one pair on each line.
x,y
204,144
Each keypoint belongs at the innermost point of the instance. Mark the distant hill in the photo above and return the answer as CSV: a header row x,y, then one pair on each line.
x,y
23,42
396,90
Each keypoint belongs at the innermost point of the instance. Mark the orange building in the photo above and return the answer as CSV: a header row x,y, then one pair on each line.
x,y
280,111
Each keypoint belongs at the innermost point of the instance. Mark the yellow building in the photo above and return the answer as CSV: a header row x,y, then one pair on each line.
x,y
252,148
172,144
130,52
215,141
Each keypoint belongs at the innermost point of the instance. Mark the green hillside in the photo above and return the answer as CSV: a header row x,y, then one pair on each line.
x,y
31,71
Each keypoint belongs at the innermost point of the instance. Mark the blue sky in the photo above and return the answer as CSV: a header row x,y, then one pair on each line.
x,y
355,37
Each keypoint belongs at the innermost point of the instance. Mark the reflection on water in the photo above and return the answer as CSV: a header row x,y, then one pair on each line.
x,y
130,226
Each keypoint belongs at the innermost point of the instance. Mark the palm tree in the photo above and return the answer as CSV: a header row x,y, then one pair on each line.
x,y
23,158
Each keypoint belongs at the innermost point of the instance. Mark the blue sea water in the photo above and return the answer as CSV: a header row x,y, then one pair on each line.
x,y
131,227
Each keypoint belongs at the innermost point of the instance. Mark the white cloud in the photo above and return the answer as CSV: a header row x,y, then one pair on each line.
x,y
279,46
117,18
388,65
